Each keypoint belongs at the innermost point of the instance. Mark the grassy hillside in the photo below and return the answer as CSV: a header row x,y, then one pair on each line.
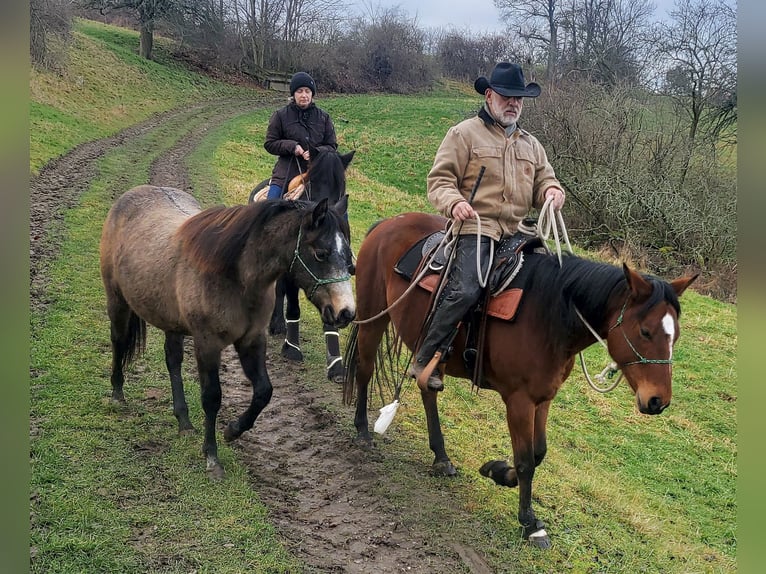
x,y
104,87
620,492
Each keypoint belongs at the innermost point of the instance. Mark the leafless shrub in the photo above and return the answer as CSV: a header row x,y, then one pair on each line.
x,y
622,158
50,25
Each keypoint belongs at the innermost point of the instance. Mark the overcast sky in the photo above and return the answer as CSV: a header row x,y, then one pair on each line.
x,y
478,15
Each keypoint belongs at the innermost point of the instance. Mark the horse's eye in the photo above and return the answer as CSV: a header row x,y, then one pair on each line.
x,y
321,254
645,334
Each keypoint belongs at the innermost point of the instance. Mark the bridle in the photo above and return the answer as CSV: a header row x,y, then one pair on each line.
x,y
317,281
641,359
613,368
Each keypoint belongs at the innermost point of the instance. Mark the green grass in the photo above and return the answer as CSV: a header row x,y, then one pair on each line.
x,y
115,489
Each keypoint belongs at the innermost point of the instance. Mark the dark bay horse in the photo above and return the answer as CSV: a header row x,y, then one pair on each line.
x,y
324,178
210,275
525,360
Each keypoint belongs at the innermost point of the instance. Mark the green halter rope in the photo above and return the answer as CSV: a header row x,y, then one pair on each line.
x,y
317,280
641,359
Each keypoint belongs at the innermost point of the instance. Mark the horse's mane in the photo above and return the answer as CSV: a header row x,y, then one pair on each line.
x,y
587,285
213,239
326,171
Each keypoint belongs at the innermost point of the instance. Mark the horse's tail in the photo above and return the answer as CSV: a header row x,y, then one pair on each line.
x,y
350,360
134,342
387,375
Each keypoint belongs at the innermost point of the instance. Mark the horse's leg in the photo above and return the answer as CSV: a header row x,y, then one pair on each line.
x,y
127,334
505,475
174,356
442,465
119,316
335,370
526,424
291,348
208,364
253,360
277,321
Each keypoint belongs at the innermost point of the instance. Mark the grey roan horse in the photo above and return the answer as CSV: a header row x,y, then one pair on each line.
x,y
210,275
324,178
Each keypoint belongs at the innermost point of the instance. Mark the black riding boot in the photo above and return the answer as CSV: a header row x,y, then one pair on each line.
x,y
460,294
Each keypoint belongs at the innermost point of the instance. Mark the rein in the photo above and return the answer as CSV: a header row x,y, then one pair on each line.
x,y
612,368
317,281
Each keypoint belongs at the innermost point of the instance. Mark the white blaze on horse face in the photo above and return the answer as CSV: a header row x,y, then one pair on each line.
x,y
339,240
670,328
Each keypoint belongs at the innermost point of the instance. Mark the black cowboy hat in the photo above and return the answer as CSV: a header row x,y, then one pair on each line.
x,y
507,80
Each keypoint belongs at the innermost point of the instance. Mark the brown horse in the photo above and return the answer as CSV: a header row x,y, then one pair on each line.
x,y
527,359
210,275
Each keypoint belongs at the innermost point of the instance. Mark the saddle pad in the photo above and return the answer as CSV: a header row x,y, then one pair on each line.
x,y
410,261
502,306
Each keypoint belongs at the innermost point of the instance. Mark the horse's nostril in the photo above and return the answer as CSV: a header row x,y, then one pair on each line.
x,y
352,269
655,406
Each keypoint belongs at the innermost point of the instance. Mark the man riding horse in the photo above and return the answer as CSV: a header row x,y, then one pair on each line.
x,y
517,177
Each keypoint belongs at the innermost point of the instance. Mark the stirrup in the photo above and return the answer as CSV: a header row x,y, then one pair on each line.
x,y
427,377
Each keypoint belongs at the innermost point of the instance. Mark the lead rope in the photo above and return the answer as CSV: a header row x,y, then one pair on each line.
x,y
547,223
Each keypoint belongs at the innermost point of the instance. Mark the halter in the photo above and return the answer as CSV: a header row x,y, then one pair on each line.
x,y
641,359
613,368
317,280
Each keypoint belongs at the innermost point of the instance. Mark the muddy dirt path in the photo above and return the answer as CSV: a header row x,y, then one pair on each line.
x,y
328,499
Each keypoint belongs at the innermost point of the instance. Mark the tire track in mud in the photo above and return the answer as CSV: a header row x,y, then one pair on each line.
x,y
327,498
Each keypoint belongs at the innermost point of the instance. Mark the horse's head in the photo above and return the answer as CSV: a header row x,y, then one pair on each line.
x,y
321,263
327,174
642,335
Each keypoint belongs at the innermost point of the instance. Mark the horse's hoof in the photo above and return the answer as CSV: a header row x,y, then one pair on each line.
x,y
291,353
539,539
443,468
185,427
231,432
337,373
214,470
496,470
364,442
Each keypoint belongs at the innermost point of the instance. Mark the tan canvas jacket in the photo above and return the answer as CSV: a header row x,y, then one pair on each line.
x,y
517,174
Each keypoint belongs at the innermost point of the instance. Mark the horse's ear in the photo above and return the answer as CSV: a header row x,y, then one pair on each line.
x,y
341,206
345,159
319,212
679,285
639,286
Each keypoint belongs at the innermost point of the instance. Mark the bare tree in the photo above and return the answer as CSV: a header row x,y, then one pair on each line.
x,y
463,56
538,22
147,13
603,38
49,21
698,47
